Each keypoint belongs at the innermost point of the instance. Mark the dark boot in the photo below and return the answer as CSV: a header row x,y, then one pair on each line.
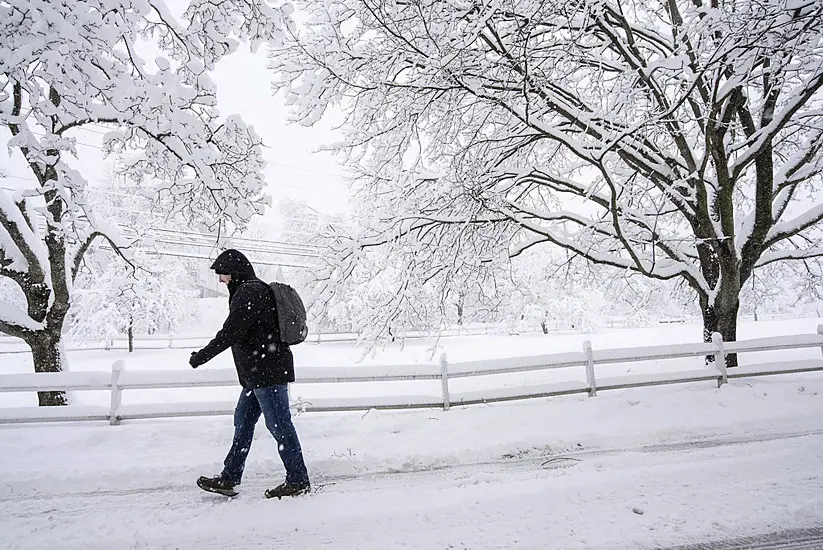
x,y
217,484
289,490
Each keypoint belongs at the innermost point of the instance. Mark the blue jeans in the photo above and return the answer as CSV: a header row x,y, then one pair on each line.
x,y
273,403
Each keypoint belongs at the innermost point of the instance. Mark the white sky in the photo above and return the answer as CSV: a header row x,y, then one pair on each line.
x,y
296,168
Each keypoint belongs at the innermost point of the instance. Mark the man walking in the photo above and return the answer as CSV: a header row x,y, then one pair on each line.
x,y
265,366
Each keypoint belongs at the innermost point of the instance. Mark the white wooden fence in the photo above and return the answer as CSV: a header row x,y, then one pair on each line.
x,y
588,360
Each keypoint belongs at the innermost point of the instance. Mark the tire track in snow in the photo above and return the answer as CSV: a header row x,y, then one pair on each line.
x,y
811,537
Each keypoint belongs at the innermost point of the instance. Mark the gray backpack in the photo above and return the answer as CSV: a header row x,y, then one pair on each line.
x,y
291,314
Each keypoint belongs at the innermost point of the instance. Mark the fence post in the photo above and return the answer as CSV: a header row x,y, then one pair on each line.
x,y
444,380
587,349
820,332
116,396
720,358
171,340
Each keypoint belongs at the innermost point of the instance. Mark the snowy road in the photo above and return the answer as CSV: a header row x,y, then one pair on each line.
x,y
780,540
645,497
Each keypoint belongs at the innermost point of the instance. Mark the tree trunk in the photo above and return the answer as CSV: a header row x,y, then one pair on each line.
x,y
47,352
130,332
721,317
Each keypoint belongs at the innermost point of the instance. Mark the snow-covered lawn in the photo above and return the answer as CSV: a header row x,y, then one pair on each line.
x,y
566,472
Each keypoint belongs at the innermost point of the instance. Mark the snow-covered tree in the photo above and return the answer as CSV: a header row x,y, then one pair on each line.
x,y
111,297
388,288
301,237
782,288
588,296
152,292
136,69
677,139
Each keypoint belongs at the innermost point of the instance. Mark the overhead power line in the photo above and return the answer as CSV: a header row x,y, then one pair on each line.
x,y
280,263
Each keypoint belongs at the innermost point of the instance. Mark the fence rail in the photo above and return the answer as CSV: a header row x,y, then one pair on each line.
x,y
120,379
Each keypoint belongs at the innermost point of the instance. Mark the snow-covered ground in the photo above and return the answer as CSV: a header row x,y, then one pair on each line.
x,y
641,468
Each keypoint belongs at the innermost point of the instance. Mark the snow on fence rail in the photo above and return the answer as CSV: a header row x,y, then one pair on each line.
x,y
120,380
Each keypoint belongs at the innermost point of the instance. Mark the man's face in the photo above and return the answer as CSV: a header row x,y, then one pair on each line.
x,y
224,278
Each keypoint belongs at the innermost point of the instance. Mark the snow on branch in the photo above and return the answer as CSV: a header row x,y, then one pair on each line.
x,y
13,321
667,139
23,251
120,248
764,136
166,108
670,265
789,228
789,254
138,70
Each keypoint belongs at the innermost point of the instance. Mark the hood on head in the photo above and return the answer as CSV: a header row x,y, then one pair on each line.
x,y
233,262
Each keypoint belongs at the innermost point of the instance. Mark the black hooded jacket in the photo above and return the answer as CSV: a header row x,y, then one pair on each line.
x,y
251,328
